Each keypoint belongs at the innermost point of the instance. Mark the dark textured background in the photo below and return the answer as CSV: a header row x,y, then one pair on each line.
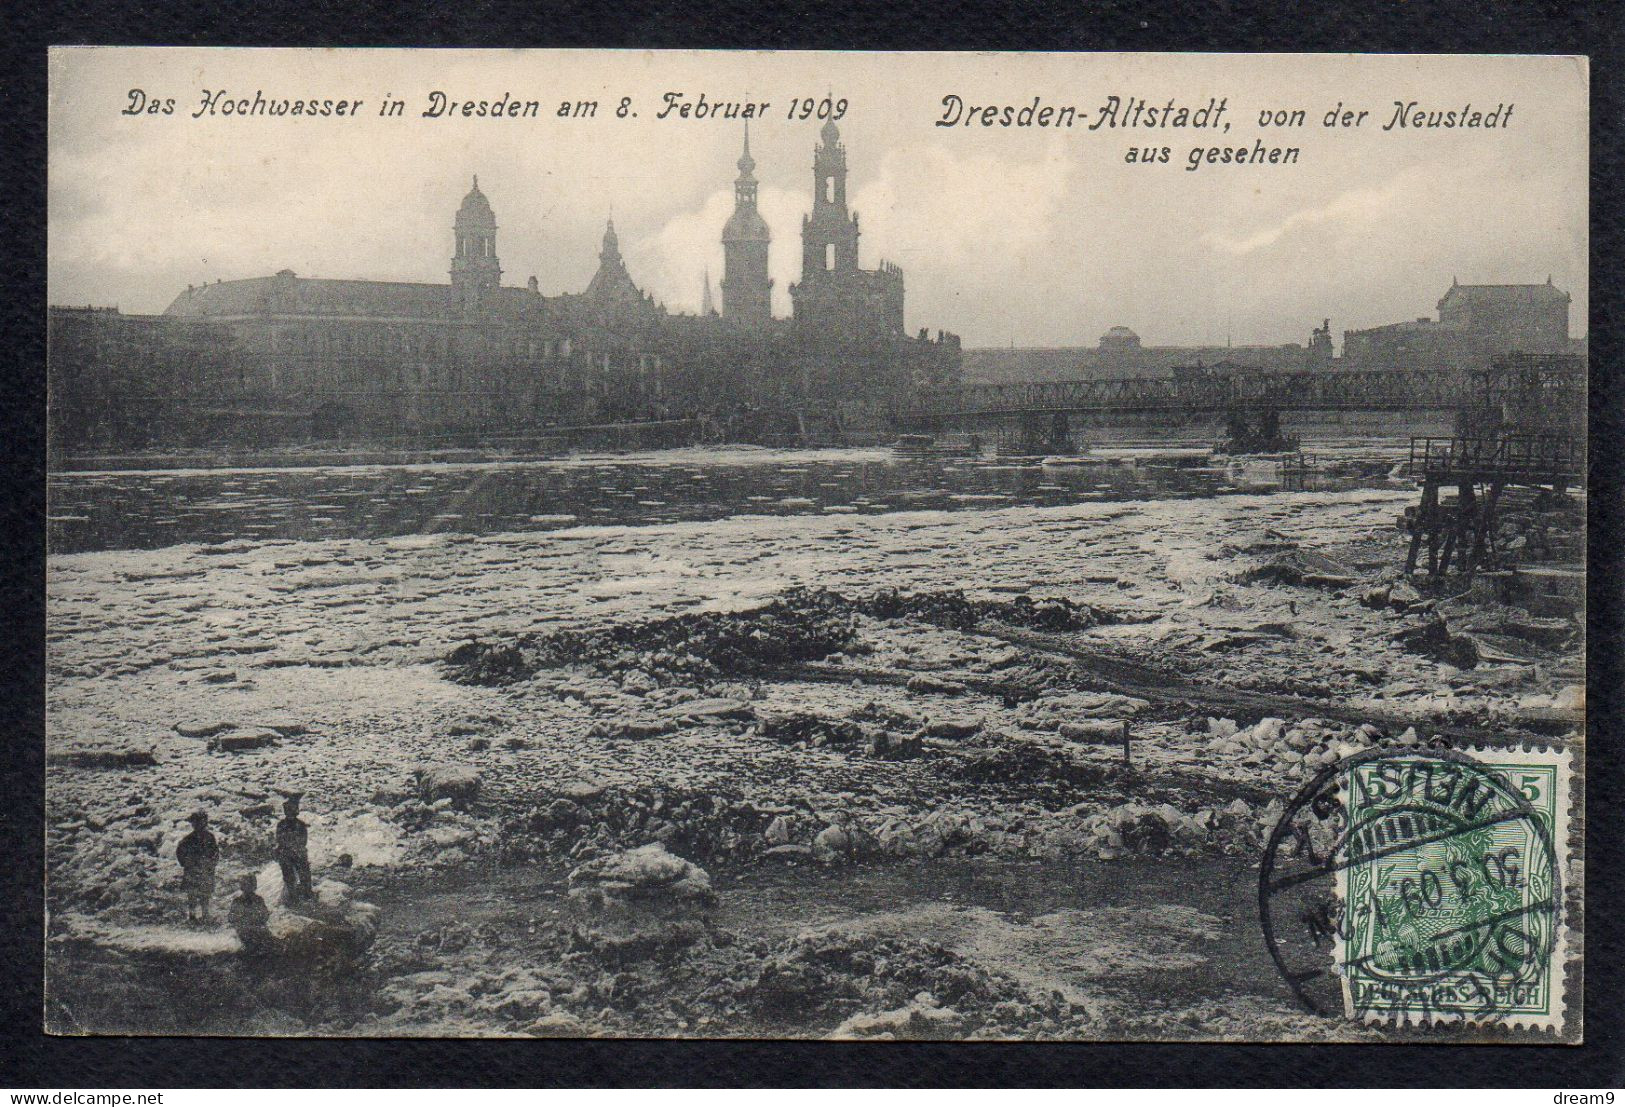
x,y
28,1059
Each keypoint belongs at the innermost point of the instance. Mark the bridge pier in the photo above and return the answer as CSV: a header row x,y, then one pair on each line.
x,y
1243,438
1046,434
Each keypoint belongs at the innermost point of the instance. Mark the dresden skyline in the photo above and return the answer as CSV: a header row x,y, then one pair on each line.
x,y
1037,238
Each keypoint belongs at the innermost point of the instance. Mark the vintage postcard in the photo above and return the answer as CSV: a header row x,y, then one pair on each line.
x,y
832,545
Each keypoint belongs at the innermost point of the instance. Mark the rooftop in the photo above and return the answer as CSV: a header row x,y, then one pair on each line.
x,y
287,294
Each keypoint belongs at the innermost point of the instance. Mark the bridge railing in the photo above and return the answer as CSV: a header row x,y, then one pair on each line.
x,y
1510,458
1547,391
1196,390
1367,388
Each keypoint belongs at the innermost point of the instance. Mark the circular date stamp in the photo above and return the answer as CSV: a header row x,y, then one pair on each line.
x,y
1424,887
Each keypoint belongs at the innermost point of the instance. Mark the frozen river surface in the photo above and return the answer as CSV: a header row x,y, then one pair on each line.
x,y
332,623
151,509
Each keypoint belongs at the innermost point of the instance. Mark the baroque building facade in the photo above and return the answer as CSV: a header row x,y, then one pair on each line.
x,y
378,359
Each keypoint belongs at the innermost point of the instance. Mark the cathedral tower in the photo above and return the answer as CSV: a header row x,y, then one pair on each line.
x,y
829,236
834,299
475,271
747,291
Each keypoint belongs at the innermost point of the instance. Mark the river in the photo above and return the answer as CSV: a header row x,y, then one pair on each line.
x,y
154,508
324,599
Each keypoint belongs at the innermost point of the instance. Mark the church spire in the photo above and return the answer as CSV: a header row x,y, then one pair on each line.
x,y
706,306
746,288
745,183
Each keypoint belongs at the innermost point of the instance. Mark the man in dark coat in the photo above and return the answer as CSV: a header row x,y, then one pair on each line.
x,y
198,854
292,852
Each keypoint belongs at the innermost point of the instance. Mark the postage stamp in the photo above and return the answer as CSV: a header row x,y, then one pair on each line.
x,y
1445,884
1452,888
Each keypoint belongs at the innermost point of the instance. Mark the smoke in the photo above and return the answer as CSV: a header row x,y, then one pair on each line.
x,y
671,261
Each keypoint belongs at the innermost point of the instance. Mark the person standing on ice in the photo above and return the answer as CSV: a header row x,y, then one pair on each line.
x,y
198,854
292,853
251,919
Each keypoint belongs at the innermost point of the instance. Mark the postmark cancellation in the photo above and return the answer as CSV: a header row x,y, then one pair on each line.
x,y
1430,886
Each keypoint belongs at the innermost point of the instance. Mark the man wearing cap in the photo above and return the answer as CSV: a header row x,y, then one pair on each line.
x,y
292,839
198,854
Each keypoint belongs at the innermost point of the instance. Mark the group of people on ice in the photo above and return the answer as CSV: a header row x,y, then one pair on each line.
x,y
248,915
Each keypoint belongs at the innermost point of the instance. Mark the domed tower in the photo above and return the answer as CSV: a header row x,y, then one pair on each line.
x,y
475,271
829,236
747,291
1119,340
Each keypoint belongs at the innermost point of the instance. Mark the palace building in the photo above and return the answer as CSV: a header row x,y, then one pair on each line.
x,y
377,359
844,353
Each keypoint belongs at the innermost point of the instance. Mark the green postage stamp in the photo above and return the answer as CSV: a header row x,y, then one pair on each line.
x,y
1445,888
1453,888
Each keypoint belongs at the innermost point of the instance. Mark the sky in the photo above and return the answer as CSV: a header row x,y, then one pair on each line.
x,y
1025,236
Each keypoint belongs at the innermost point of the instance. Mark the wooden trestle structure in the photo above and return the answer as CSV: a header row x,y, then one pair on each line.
x,y
1526,429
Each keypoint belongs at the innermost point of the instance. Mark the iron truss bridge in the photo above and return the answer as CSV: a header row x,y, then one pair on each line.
x,y
1194,393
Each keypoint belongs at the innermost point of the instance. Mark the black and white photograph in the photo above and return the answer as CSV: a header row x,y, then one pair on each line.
x,y
816,545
